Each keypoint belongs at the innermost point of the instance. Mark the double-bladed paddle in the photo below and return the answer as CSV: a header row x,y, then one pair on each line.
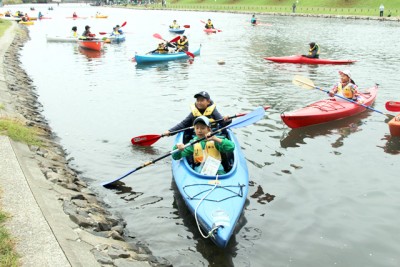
x,y
392,106
122,25
158,36
308,84
149,139
244,121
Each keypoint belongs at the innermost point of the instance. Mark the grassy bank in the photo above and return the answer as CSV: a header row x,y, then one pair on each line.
x,y
334,7
8,256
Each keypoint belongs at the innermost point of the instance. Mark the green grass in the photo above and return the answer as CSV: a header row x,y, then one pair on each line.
x,y
19,132
8,256
333,7
4,24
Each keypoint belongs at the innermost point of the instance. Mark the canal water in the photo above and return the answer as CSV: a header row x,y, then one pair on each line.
x,y
319,196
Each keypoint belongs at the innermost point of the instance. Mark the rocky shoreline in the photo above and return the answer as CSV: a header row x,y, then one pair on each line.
x,y
80,204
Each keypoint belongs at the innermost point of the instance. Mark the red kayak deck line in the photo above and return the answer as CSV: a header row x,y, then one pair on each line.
x,y
305,60
327,110
394,126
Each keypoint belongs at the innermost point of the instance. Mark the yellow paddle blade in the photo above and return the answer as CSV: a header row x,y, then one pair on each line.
x,y
303,82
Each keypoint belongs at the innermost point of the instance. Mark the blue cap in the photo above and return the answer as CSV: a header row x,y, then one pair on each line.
x,y
202,119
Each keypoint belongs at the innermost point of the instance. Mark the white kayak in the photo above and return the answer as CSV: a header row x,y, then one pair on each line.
x,y
61,39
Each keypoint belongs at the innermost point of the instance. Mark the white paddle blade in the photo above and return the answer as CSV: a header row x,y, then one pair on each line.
x,y
303,82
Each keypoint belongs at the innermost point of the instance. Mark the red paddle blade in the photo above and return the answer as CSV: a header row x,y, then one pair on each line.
x,y
186,26
123,24
158,36
102,33
392,106
145,140
175,39
189,54
219,30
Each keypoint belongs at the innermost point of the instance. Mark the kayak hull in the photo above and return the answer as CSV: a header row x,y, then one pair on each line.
x,y
95,45
305,60
152,58
221,206
62,39
210,30
117,38
177,31
327,110
26,22
394,126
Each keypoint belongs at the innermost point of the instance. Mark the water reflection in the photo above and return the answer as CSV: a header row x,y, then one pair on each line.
x,y
344,127
392,145
89,54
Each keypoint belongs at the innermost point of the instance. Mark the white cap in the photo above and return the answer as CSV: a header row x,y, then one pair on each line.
x,y
345,72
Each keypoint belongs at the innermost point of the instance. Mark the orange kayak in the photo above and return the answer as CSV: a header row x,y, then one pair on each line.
x,y
96,45
394,126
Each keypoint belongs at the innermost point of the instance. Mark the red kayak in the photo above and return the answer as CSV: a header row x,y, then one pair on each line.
x,y
328,110
212,30
96,45
305,60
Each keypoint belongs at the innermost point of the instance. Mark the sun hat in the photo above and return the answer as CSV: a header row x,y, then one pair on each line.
x,y
345,72
202,119
202,94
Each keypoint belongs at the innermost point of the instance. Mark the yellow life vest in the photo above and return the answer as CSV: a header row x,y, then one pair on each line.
x,y
174,26
200,155
209,110
347,91
181,44
209,25
316,47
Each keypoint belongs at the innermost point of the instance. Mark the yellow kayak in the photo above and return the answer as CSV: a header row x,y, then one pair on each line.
x,y
26,22
101,16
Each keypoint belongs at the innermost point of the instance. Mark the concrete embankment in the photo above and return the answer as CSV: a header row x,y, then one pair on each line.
x,y
54,217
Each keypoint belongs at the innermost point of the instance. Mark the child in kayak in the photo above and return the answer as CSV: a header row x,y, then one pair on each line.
x,y
203,106
87,34
313,52
209,24
174,25
345,87
253,20
74,32
211,146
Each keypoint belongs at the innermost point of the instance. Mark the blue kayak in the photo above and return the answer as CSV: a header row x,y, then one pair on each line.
x,y
117,38
151,58
177,31
217,209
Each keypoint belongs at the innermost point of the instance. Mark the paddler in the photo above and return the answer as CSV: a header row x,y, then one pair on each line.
x,y
203,106
313,52
182,44
207,150
209,24
345,87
